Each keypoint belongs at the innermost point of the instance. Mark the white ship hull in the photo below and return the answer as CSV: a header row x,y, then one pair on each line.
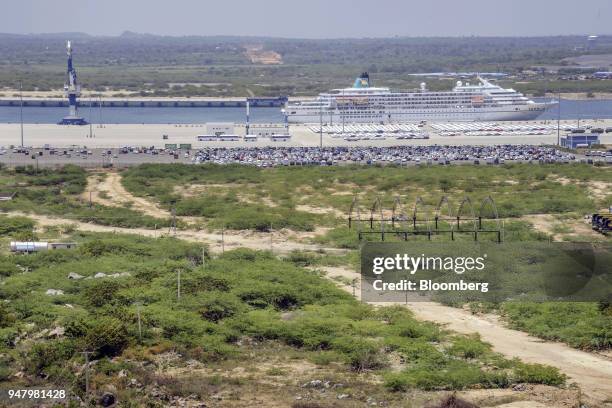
x,y
512,113
364,104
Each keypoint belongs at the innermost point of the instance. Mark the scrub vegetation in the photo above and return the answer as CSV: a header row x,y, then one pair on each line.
x,y
175,66
231,307
60,193
290,196
582,325
275,318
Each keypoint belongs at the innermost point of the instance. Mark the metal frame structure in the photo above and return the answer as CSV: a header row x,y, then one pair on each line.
x,y
73,91
465,220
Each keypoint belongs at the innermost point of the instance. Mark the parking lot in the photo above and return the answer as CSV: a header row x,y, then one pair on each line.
x,y
287,156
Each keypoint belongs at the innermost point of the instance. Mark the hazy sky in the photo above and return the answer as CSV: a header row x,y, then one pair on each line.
x,y
310,18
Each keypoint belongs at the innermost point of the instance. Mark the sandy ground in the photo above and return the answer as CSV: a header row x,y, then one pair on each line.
x,y
576,227
279,242
113,136
591,372
258,55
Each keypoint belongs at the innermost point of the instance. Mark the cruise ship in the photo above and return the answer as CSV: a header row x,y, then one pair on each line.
x,y
363,103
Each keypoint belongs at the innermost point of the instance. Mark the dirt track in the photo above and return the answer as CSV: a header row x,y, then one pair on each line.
x,y
277,242
591,372
117,195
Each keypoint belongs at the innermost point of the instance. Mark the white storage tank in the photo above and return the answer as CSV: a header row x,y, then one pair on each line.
x,y
22,246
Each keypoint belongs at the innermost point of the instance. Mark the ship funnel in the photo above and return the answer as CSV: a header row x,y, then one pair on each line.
x,y
363,81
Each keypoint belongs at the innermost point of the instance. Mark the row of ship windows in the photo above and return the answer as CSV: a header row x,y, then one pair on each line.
x,y
353,115
419,105
410,99
359,109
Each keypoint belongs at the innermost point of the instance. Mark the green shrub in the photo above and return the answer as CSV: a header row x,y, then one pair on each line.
x,y
47,354
107,336
76,327
102,292
468,347
15,225
301,258
6,317
8,336
5,373
538,374
362,354
264,294
414,329
455,375
203,282
219,306
7,268
211,348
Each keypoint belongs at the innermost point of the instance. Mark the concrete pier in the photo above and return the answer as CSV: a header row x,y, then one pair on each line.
x,y
151,102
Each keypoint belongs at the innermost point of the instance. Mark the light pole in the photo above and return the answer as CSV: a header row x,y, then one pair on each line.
x,y
90,120
321,125
21,109
559,118
100,109
342,113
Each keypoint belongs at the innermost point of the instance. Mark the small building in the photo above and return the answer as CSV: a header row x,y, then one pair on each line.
x,y
577,140
250,138
52,246
207,138
33,246
280,138
7,196
228,138
602,75
267,130
220,128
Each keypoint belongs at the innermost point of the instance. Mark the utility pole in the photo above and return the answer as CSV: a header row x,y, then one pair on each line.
x,y
139,321
172,228
178,285
271,237
21,108
203,257
86,354
222,238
